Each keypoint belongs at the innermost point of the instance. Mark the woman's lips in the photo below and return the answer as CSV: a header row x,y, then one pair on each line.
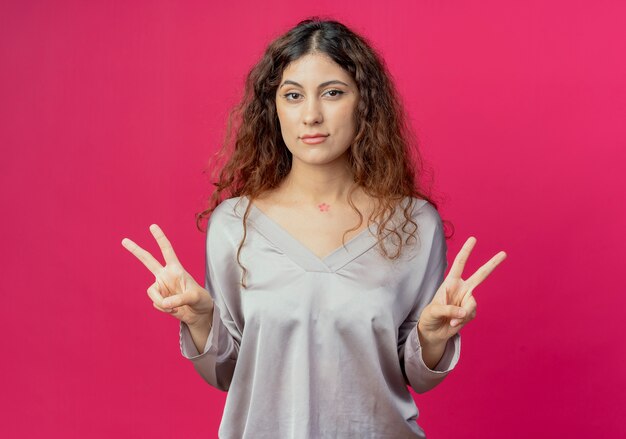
x,y
313,140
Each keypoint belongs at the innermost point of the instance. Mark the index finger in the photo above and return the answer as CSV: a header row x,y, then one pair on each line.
x,y
164,244
144,256
484,271
461,258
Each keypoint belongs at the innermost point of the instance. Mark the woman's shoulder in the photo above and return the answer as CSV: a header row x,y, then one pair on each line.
x,y
230,208
424,213
224,227
228,213
429,223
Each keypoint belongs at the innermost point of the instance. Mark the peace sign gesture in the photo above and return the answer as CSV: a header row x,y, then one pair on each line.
x,y
453,304
174,290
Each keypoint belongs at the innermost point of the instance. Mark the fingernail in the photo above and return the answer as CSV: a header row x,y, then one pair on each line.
x,y
166,303
461,313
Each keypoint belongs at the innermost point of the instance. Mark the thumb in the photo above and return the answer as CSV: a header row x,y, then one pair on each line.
x,y
439,311
187,298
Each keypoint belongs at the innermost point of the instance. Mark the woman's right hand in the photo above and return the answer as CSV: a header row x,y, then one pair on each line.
x,y
174,291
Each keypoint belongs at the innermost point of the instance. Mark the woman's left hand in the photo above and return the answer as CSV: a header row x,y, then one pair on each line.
x,y
453,305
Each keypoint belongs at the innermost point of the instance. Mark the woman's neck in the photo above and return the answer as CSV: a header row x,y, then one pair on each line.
x,y
328,184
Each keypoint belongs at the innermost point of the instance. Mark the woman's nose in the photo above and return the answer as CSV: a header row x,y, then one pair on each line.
x,y
312,112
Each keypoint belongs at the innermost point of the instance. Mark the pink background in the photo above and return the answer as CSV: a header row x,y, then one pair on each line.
x,y
109,111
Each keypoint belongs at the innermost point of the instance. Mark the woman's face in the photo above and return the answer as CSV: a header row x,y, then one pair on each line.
x,y
317,97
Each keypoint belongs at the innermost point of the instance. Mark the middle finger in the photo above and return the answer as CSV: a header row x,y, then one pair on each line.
x,y
144,256
484,271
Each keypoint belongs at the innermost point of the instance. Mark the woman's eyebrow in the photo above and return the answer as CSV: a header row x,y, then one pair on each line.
x,y
323,84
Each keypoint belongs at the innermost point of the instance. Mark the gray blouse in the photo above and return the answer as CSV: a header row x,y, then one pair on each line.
x,y
318,348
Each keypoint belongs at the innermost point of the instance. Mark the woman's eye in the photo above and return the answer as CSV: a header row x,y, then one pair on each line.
x,y
288,95
337,93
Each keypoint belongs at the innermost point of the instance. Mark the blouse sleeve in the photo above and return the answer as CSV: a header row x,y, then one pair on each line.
x,y
419,376
216,364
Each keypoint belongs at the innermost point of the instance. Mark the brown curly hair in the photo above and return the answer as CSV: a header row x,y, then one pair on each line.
x,y
383,157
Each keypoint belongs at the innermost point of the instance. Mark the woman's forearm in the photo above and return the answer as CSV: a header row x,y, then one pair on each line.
x,y
432,351
200,331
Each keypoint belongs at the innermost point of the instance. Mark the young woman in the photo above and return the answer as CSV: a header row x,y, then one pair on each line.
x,y
325,294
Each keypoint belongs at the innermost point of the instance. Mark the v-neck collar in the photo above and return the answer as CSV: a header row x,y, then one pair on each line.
x,y
301,254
